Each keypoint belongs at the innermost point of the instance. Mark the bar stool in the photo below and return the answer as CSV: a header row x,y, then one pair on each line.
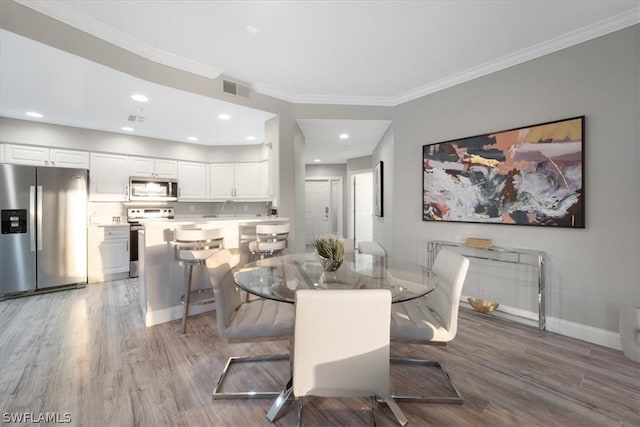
x,y
271,240
193,246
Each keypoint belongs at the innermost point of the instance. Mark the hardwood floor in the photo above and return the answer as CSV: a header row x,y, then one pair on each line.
x,y
86,352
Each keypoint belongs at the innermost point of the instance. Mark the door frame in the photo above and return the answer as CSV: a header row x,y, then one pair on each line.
x,y
352,201
329,179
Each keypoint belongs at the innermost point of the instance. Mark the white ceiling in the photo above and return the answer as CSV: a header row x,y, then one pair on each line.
x,y
322,138
73,91
355,52
339,52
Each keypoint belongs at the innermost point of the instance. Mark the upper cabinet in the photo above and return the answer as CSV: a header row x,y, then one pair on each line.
x,y
238,181
160,168
193,181
109,177
43,156
265,184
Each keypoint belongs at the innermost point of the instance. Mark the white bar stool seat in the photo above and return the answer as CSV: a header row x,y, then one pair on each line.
x,y
193,246
271,240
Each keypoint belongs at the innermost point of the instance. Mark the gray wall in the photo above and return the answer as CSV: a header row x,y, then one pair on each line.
x,y
592,272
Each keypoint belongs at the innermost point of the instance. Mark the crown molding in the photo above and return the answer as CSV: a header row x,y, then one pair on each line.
x,y
69,16
601,28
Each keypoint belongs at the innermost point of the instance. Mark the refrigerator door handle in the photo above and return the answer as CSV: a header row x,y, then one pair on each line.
x,y
39,217
32,218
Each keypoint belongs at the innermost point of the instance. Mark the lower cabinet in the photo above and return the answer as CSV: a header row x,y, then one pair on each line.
x,y
108,253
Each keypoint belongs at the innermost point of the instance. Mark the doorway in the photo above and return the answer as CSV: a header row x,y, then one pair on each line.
x,y
361,209
323,210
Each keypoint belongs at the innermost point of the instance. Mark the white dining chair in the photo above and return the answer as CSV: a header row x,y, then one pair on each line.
x,y
341,346
242,321
432,319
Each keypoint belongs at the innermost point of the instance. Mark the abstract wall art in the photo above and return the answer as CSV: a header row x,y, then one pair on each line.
x,y
532,175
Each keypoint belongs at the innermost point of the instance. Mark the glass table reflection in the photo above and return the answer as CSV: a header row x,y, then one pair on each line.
x,y
278,278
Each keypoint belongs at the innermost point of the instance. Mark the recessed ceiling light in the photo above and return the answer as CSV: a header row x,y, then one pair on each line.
x,y
317,160
251,138
224,116
127,128
33,114
139,97
252,30
192,138
344,136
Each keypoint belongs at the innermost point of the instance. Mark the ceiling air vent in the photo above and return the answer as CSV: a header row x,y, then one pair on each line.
x,y
134,118
235,89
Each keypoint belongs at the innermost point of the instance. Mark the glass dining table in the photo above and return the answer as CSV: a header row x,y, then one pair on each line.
x,y
278,278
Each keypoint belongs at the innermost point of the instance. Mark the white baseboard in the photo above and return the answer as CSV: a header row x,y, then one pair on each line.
x,y
168,314
585,333
559,326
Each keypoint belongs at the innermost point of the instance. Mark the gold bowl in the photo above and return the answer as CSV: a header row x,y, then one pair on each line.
x,y
483,305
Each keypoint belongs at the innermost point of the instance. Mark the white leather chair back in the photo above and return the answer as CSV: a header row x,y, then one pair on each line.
x,y
451,269
228,296
341,345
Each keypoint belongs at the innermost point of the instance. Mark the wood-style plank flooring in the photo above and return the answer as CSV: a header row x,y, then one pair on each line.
x,y
86,352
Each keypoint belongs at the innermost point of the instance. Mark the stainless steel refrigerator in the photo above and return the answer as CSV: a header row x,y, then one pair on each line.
x,y
43,244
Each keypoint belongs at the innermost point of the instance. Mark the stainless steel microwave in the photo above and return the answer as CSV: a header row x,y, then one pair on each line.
x,y
152,189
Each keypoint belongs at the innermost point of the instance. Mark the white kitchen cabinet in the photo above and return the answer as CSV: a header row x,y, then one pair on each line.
x,y
108,255
222,180
1,153
109,177
265,185
44,156
235,181
193,181
159,168
68,158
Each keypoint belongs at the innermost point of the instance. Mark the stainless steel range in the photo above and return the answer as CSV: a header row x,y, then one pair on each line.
x,y
136,217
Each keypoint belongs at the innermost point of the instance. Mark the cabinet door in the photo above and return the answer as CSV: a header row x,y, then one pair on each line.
x,y
69,158
192,181
109,177
27,155
141,166
1,153
265,185
222,181
166,168
247,179
115,256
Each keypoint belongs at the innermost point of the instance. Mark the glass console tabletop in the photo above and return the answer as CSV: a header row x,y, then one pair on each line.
x,y
278,278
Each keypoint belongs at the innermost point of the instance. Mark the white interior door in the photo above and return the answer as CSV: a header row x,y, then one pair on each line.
x,y
317,203
363,206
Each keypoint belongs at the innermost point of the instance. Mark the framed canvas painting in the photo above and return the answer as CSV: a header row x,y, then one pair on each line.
x,y
532,175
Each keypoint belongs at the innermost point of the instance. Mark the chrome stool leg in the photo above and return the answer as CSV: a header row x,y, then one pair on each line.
x,y
187,297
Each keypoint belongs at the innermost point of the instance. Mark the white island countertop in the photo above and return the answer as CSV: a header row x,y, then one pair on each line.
x,y
162,279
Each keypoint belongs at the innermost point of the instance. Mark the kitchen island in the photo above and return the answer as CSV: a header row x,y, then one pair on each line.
x,y
161,278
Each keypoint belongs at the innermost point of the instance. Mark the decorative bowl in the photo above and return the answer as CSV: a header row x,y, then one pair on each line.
x,y
483,305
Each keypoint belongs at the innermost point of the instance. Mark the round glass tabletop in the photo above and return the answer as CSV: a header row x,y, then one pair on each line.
x,y
278,278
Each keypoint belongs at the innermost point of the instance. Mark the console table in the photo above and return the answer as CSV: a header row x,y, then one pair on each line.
x,y
528,257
